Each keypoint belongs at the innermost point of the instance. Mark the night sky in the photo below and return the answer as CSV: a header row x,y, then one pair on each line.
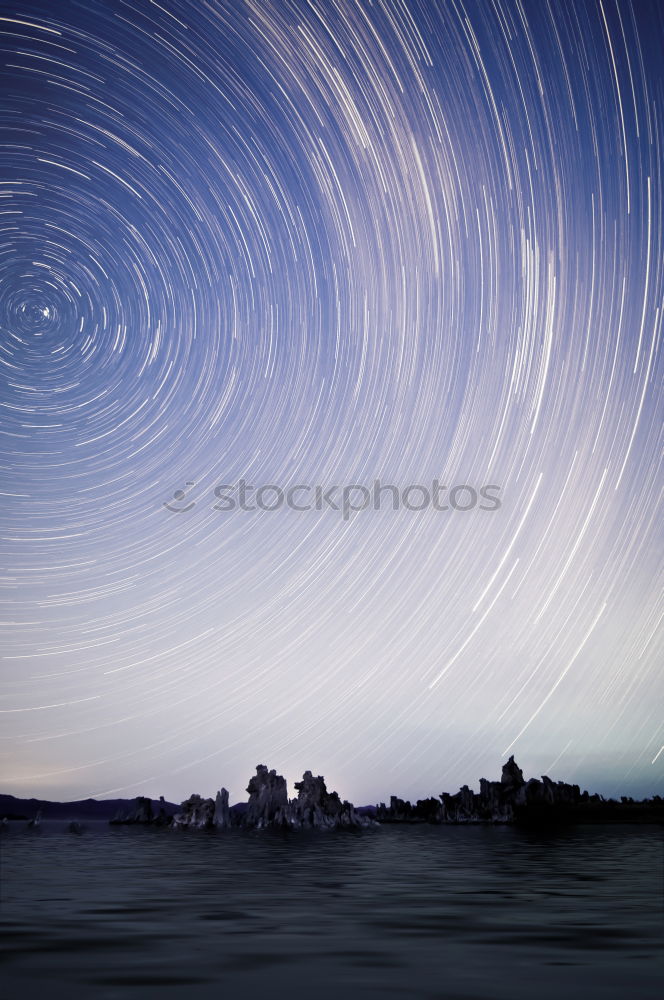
x,y
329,242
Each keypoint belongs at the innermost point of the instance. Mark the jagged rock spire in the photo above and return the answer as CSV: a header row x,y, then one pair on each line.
x,y
268,799
512,776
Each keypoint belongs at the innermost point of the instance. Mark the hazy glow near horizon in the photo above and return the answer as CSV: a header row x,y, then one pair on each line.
x,y
326,243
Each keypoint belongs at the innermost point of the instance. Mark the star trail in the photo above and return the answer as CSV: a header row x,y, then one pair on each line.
x,y
329,242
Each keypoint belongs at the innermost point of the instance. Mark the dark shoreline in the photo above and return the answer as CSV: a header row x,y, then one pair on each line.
x,y
511,801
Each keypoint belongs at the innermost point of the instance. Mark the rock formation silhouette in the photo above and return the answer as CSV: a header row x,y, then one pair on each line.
x,y
222,813
317,808
196,813
510,800
268,800
515,800
270,808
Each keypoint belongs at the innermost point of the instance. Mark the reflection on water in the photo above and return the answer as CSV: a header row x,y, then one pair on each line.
x,y
422,912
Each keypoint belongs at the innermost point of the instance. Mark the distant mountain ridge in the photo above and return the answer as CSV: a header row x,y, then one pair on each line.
x,y
89,809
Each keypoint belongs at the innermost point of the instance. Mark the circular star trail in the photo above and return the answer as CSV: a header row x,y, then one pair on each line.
x,y
324,242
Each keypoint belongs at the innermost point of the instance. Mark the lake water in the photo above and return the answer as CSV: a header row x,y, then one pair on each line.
x,y
415,912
